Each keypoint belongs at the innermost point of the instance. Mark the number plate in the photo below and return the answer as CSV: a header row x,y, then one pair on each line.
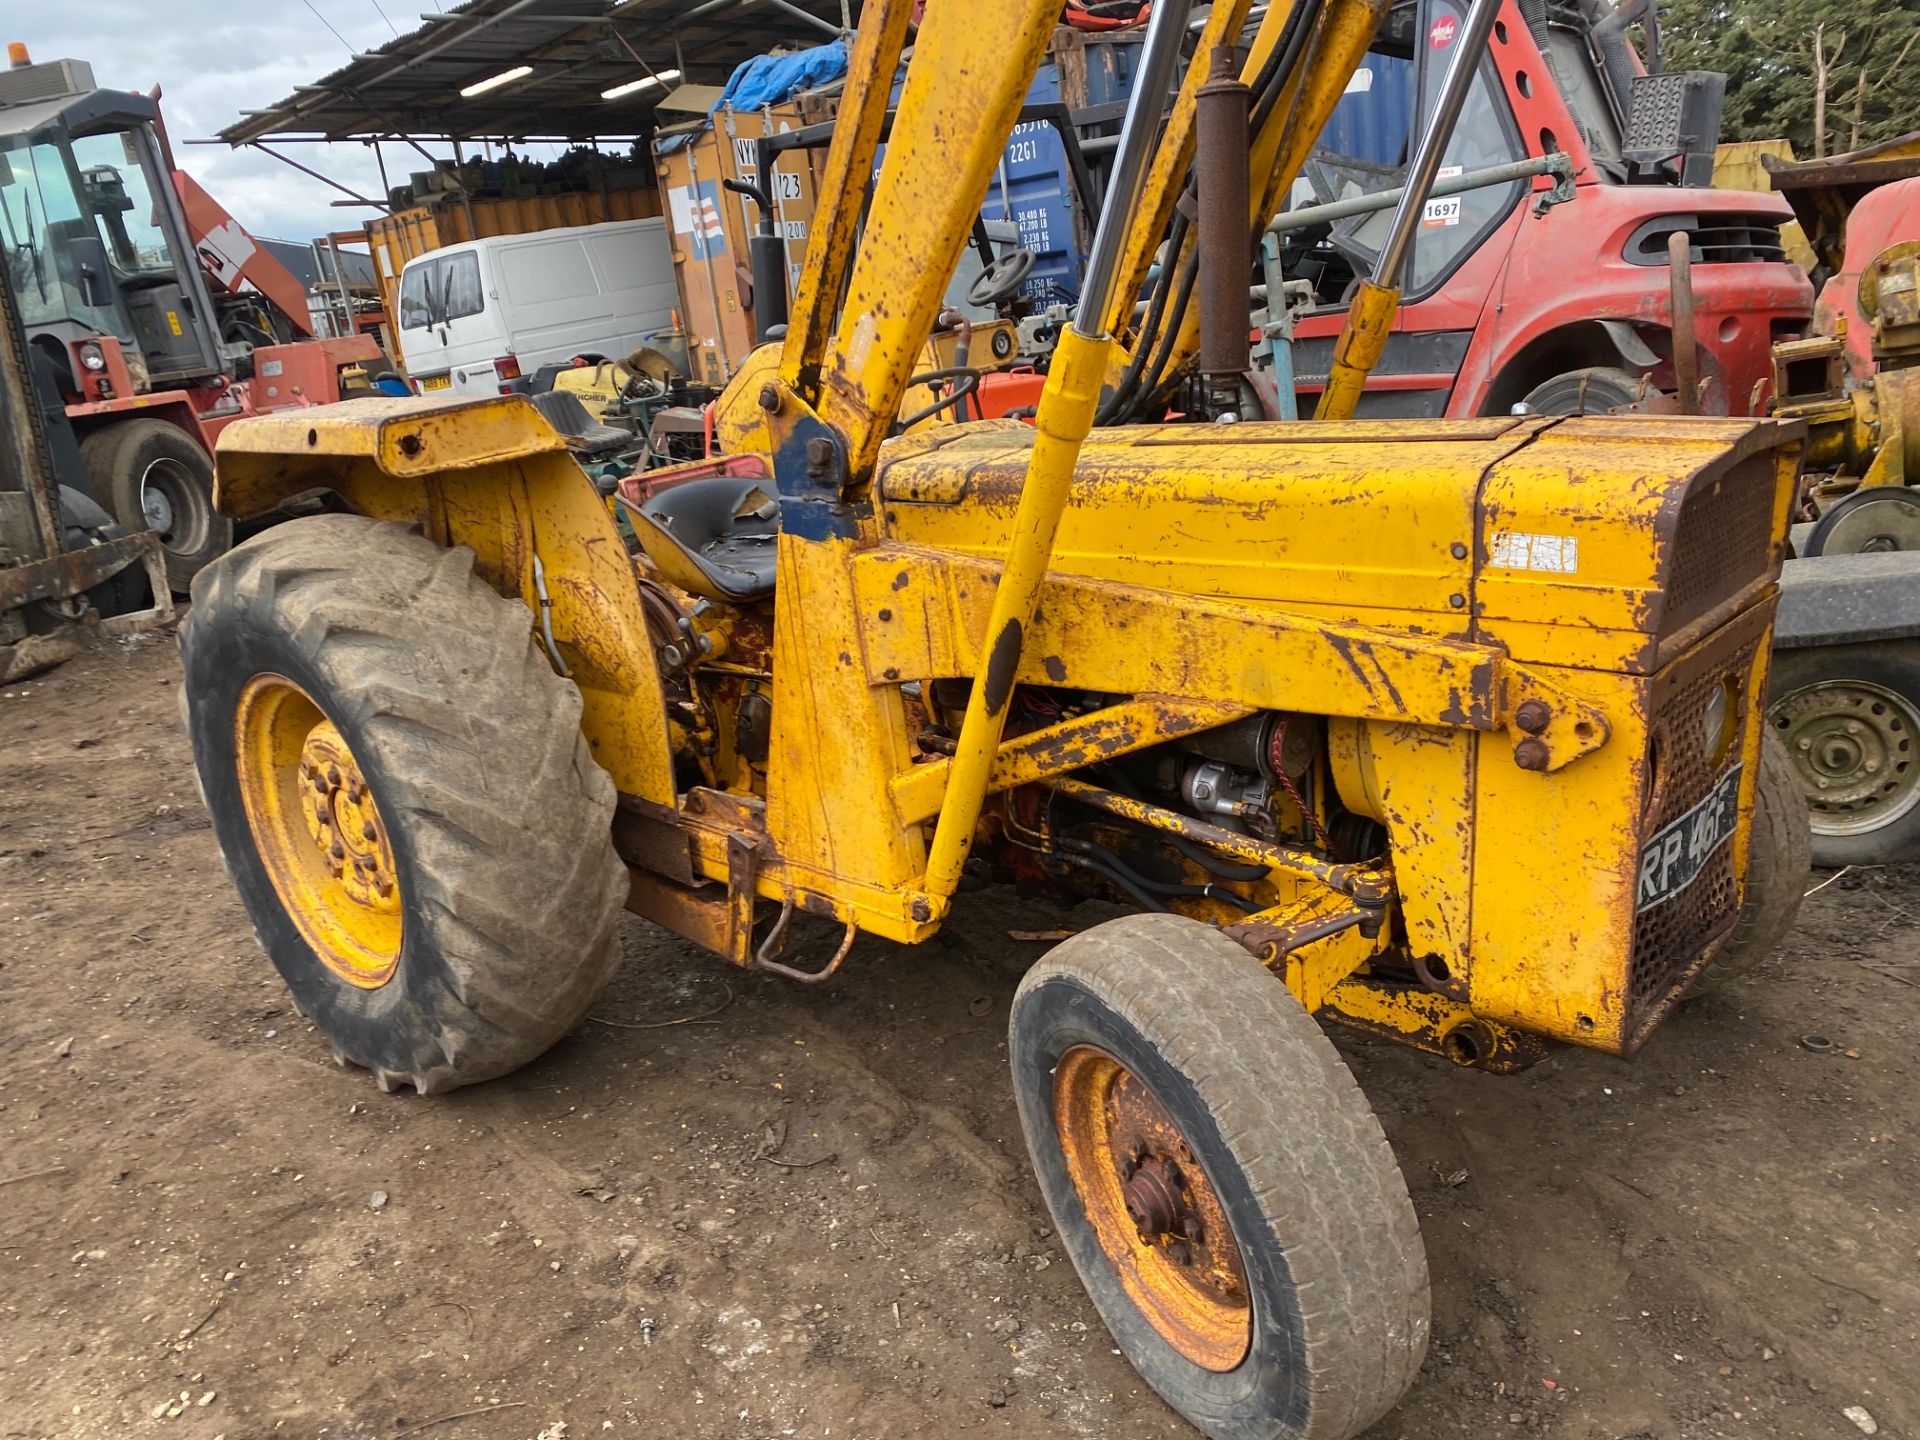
x,y
1673,859
436,382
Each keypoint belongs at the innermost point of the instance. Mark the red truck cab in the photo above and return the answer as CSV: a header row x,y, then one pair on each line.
x,y
1503,306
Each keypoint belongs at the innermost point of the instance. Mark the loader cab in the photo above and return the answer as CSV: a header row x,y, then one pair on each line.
x,y
93,237
1498,300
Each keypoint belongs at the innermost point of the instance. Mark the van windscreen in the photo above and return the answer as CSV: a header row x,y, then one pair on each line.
x,y
438,290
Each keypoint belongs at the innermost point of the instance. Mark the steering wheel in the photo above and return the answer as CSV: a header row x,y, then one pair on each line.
x,y
1001,280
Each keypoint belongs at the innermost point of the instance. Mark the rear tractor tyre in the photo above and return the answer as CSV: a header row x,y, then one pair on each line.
x,y
1593,391
1219,1182
154,476
405,801
1849,720
1779,859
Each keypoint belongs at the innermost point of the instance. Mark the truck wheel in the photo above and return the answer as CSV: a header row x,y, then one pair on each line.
x,y
1875,520
405,802
1592,391
1849,716
1219,1182
154,476
1779,860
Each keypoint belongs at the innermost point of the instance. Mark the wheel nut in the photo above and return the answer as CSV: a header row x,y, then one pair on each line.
x,y
1194,1230
367,831
1178,1252
337,850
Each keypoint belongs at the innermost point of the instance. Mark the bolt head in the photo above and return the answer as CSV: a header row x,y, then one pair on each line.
x,y
1531,755
770,398
1532,716
819,455
1457,550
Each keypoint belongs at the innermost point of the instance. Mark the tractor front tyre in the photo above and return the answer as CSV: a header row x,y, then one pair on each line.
x,y
154,476
1779,859
405,801
1219,1182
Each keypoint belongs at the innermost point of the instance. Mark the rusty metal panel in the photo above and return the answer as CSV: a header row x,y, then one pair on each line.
x,y
1584,535
1670,938
929,617
1560,940
1347,527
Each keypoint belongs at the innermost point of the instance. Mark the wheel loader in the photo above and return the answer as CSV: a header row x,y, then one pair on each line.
x,y
1446,731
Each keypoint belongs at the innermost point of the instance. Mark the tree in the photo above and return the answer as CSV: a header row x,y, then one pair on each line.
x,y
1829,75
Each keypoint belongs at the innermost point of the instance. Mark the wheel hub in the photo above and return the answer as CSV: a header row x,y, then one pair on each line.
x,y
157,509
1879,521
1153,1197
173,505
342,818
1853,750
1155,1212
318,832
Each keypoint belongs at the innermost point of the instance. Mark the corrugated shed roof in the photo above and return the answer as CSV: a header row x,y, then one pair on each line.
x,y
575,48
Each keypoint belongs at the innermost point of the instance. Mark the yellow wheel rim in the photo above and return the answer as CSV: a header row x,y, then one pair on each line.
x,y
1153,1209
318,831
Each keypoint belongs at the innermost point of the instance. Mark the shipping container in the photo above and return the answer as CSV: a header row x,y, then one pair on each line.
x,y
1373,119
395,239
1033,186
710,224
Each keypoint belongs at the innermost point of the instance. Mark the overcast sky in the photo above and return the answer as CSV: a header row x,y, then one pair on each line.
x,y
215,58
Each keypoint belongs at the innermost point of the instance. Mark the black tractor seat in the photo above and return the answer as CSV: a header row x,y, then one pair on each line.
x,y
713,537
584,433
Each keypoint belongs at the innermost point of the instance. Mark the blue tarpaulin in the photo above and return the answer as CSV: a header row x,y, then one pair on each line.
x,y
770,79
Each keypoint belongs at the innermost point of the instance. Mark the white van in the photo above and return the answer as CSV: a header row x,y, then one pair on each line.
x,y
479,314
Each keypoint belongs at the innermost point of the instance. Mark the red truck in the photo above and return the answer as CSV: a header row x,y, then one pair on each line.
x,y
1571,307
156,317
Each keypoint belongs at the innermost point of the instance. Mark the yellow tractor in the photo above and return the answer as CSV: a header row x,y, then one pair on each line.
x,y
1446,731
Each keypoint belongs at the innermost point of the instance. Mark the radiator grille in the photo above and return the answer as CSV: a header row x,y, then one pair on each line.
x,y
1722,542
1668,938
